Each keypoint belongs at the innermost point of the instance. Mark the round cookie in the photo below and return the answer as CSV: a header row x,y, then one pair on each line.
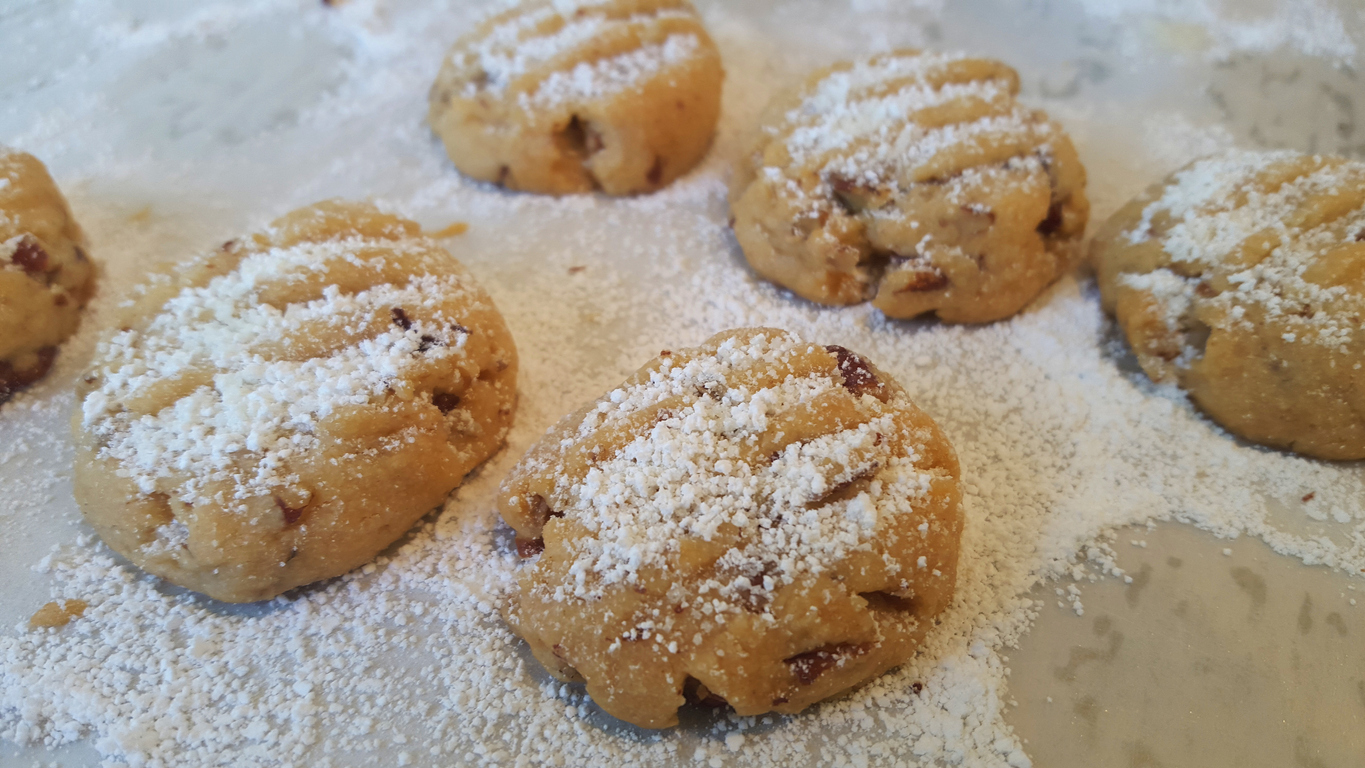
x,y
913,180
760,521
565,96
45,274
1241,278
281,409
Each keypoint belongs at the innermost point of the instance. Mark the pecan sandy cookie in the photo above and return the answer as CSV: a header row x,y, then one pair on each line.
x,y
565,96
283,408
45,274
1241,278
760,521
913,180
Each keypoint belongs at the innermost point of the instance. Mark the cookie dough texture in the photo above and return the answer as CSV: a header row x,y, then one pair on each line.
x,y
759,521
915,181
45,274
281,409
1242,279
565,96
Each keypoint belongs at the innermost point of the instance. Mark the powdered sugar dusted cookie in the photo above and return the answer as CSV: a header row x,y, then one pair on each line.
x,y
564,96
913,180
281,409
1242,278
45,275
760,521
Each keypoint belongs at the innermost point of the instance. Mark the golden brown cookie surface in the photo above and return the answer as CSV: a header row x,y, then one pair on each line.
x,y
913,180
45,274
281,409
1242,279
571,96
759,520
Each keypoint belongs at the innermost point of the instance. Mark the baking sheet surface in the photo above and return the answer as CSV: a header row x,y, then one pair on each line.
x,y
174,126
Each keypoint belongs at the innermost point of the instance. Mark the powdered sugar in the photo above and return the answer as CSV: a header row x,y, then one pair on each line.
x,y
617,74
258,405
1310,26
691,475
517,46
408,656
858,125
1221,217
9,171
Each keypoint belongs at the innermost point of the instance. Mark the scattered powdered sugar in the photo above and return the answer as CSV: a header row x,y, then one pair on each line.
x,y
406,661
1313,27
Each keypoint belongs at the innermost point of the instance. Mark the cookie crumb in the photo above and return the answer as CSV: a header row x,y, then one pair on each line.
x,y
57,614
454,230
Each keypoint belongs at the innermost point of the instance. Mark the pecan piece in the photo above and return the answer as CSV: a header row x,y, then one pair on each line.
x,y
887,601
541,511
291,514
920,273
807,667
12,380
857,374
581,139
848,489
30,257
1050,225
696,692
445,401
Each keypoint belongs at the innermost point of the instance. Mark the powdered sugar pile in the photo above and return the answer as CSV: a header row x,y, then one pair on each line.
x,y
406,662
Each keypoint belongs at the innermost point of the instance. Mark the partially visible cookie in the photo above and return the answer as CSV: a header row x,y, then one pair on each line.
x,y
760,521
915,181
1241,277
564,96
281,409
45,274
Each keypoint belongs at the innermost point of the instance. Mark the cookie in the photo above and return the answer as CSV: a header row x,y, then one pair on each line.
x,y
281,409
565,96
1241,278
45,274
915,181
759,521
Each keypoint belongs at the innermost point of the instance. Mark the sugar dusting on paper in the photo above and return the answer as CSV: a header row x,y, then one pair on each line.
x,y
406,661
